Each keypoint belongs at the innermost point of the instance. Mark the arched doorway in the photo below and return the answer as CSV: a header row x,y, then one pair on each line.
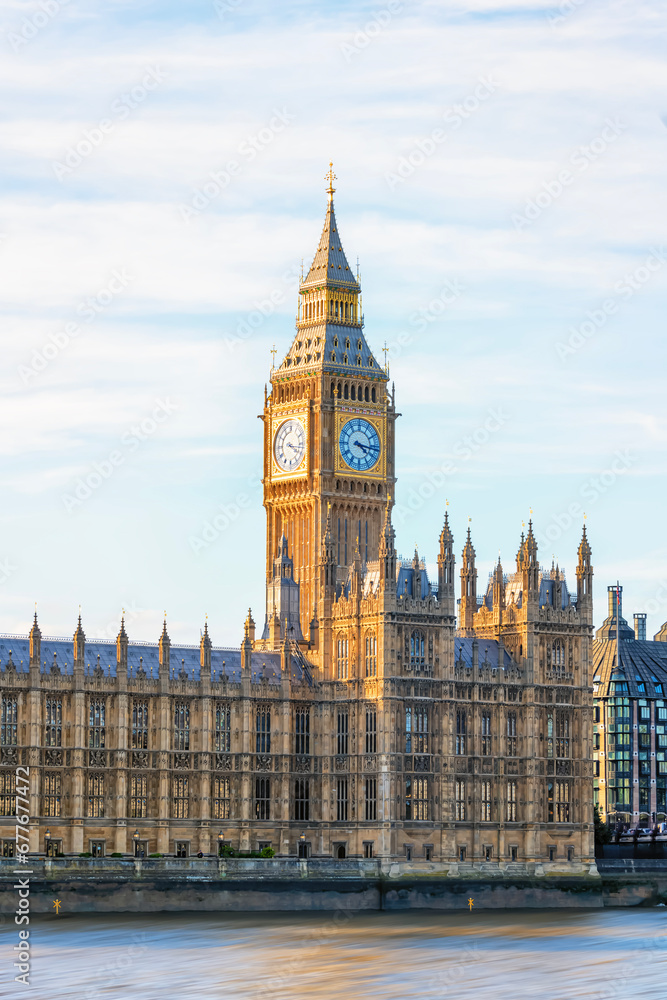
x,y
340,853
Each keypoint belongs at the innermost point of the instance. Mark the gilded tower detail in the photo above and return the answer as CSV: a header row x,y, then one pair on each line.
x,y
357,720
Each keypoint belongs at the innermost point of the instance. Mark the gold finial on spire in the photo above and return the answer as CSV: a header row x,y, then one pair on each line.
x,y
585,515
331,177
273,357
385,350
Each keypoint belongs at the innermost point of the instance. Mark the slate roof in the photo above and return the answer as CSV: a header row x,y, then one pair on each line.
x,y
330,263
59,653
489,652
643,664
513,589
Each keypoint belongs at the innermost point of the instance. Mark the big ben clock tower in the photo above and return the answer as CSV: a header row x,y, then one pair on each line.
x,y
328,444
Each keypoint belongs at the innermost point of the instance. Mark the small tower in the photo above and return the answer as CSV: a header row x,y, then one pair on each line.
x,y
250,626
529,567
205,646
446,565
122,643
246,649
35,647
585,580
164,649
388,554
498,592
416,576
79,648
468,587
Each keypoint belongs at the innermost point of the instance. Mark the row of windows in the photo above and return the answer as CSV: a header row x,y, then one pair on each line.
x,y
338,309
345,390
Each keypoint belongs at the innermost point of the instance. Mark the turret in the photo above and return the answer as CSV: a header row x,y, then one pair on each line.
x,y
498,592
529,567
122,643
468,587
585,580
446,566
205,646
35,647
164,650
416,576
388,553
328,559
246,649
250,626
79,649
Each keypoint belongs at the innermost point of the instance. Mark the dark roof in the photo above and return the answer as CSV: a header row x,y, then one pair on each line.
x,y
641,663
60,652
489,652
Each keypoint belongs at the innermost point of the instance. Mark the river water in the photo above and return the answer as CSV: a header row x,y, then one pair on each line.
x,y
499,955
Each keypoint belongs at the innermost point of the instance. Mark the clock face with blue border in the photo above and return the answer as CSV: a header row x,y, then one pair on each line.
x,y
290,445
359,444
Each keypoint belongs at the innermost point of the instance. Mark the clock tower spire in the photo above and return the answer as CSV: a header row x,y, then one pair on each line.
x,y
328,432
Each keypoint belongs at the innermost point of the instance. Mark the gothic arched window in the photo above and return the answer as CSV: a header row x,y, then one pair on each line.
x,y
417,652
558,655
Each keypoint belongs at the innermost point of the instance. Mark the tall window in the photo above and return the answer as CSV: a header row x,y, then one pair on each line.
x,y
7,793
342,652
460,801
263,730
510,804
417,659
486,802
262,798
461,729
138,796
223,727
51,794
341,800
511,734
342,734
9,722
371,730
371,649
420,798
558,655
181,798
221,798
96,795
302,731
562,811
97,724
181,726
370,799
486,734
140,725
302,800
562,734
53,733
550,734
419,730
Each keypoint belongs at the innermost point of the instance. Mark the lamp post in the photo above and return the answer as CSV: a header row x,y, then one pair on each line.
x,y
135,838
302,845
221,841
47,843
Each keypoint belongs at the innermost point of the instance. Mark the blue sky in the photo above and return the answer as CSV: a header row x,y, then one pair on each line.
x,y
500,176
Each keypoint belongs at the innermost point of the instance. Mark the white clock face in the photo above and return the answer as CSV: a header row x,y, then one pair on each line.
x,y
289,446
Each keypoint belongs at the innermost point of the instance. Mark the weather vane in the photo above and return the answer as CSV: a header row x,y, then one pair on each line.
x,y
331,177
386,351
273,357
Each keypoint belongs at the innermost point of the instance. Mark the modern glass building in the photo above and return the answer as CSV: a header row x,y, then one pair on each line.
x,y
630,722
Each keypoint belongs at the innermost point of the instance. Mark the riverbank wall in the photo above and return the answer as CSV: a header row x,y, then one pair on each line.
x,y
109,885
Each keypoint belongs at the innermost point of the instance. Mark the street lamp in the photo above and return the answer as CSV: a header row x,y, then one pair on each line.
x,y
135,838
47,843
221,841
302,845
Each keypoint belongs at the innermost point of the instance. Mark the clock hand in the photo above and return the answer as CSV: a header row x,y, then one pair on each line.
x,y
358,444
292,446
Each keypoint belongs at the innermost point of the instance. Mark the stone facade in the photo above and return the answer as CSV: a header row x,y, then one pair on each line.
x,y
360,723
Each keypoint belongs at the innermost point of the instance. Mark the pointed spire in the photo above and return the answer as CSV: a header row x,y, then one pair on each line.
x,y
79,644
205,645
35,643
122,643
164,647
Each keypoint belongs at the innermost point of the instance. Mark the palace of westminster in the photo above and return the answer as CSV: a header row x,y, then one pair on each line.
x,y
372,715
